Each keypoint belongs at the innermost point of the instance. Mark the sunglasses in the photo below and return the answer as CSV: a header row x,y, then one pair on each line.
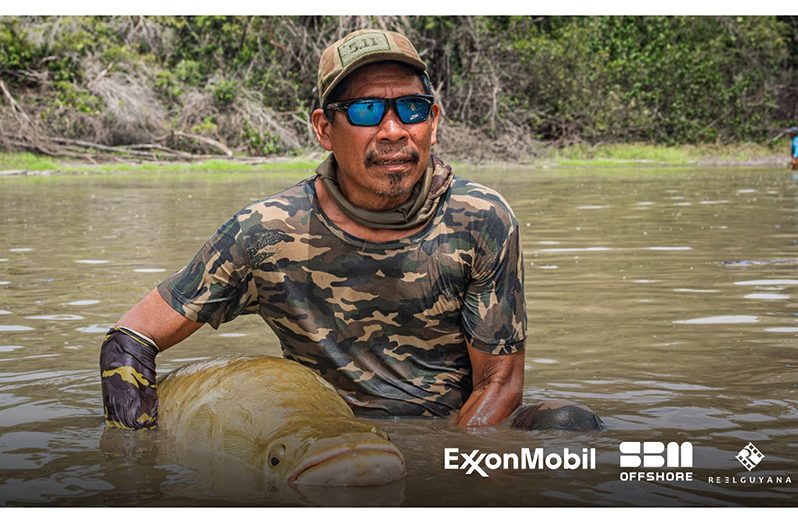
x,y
367,112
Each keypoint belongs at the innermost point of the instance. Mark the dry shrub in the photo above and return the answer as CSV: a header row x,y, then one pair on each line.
x,y
478,146
249,110
132,112
200,115
65,121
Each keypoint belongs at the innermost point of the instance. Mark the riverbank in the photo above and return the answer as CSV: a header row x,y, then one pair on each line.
x,y
582,155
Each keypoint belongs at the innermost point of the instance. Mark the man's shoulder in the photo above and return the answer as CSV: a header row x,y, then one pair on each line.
x,y
479,202
288,205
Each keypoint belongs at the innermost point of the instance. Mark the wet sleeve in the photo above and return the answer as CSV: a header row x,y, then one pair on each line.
x,y
217,284
494,309
127,372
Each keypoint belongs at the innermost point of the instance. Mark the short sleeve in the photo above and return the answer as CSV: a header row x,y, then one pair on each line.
x,y
217,284
494,310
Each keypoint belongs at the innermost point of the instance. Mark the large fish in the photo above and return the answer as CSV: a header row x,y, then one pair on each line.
x,y
276,416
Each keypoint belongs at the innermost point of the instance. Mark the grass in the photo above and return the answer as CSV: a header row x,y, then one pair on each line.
x,y
26,162
33,163
640,153
601,155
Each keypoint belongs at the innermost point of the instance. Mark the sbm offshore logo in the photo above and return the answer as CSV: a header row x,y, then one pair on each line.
x,y
525,459
676,458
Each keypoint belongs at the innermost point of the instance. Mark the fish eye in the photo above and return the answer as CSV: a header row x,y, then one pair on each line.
x,y
276,455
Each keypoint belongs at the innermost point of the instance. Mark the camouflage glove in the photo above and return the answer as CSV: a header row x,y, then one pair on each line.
x,y
127,369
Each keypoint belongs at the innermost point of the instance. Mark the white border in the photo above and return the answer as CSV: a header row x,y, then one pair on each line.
x,y
375,7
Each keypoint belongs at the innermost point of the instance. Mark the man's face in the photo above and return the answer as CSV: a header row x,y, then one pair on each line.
x,y
379,165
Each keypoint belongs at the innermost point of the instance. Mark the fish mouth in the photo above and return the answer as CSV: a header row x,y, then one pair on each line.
x,y
359,465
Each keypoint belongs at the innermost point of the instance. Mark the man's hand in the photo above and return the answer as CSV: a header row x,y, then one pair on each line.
x,y
498,388
127,361
127,372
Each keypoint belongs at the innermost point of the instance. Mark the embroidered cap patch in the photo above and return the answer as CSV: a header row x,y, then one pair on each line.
x,y
360,45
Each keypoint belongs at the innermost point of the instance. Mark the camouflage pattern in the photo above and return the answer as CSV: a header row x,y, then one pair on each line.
x,y
127,372
386,324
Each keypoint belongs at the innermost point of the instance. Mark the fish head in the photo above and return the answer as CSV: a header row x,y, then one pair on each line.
x,y
333,451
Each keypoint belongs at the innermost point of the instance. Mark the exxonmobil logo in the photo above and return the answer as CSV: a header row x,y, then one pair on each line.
x,y
525,459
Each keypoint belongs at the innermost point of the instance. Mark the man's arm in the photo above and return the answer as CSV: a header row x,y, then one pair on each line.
x,y
214,287
498,388
157,320
127,361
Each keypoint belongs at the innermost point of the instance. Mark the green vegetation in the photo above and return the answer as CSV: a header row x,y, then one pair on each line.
x,y
616,153
220,85
641,153
30,163
603,155
26,162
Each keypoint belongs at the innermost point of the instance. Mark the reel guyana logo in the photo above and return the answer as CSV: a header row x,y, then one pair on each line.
x,y
749,457
656,455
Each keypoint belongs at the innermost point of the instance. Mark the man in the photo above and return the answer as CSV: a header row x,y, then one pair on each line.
x,y
399,283
793,132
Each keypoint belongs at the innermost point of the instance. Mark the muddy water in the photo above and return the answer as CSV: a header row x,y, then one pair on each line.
x,y
664,299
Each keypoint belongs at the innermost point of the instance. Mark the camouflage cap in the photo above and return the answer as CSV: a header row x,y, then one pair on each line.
x,y
360,48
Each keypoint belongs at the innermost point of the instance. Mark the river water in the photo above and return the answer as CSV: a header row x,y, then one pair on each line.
x,y
663,298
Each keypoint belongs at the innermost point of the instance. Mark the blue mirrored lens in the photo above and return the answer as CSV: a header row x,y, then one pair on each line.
x,y
412,110
367,112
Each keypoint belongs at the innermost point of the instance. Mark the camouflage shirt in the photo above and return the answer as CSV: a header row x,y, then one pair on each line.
x,y
386,323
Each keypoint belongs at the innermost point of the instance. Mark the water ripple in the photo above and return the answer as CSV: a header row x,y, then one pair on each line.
x,y
56,317
767,282
95,329
83,302
717,320
15,328
92,262
34,357
577,249
766,296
